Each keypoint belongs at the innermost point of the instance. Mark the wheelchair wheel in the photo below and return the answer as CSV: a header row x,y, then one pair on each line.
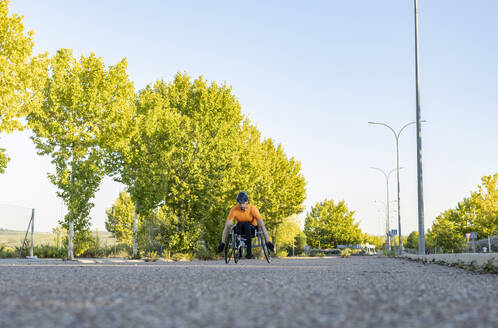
x,y
265,249
228,249
236,252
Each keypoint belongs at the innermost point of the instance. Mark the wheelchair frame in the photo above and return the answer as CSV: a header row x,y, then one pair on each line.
x,y
235,244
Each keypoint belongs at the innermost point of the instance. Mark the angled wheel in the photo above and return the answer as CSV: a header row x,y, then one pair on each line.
x,y
236,250
236,255
265,249
228,249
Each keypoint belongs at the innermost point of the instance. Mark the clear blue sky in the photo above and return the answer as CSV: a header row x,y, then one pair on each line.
x,y
310,75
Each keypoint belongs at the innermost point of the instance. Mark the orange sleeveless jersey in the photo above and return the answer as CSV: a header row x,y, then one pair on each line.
x,y
251,214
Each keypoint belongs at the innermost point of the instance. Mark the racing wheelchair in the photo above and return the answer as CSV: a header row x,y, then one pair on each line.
x,y
236,243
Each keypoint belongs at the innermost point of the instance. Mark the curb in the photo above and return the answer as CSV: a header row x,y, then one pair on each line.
x,y
470,261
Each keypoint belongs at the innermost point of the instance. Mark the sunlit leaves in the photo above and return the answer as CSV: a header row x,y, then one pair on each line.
x,y
120,218
86,107
477,213
21,74
192,151
329,222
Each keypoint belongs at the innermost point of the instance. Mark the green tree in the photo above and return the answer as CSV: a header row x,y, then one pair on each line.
x,y
484,203
192,151
120,218
287,232
4,159
175,235
476,213
412,240
181,151
84,109
395,241
299,243
245,171
430,243
377,241
280,191
328,222
446,231
21,74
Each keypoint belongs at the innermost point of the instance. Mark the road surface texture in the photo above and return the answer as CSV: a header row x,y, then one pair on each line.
x,y
327,292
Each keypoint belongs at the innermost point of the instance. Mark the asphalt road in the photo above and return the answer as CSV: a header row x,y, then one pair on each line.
x,y
328,292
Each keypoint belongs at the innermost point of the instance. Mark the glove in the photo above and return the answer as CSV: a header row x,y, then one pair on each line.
x,y
221,247
270,246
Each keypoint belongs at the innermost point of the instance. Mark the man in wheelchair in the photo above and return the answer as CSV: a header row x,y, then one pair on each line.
x,y
248,222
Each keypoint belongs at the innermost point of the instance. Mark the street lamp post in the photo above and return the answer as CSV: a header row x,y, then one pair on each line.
x,y
396,136
421,229
387,203
383,203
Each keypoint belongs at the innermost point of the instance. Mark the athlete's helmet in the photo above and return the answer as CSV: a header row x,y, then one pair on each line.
x,y
242,197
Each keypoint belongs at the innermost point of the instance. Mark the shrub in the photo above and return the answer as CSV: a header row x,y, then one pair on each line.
x,y
299,243
181,257
335,251
151,256
166,254
315,252
8,252
122,250
345,252
204,254
49,252
42,251
356,251
282,254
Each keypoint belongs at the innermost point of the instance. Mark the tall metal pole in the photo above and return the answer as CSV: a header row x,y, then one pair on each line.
x,y
386,175
32,231
387,212
399,207
421,229
396,136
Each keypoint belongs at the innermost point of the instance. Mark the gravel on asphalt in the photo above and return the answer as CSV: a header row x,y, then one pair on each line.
x,y
325,292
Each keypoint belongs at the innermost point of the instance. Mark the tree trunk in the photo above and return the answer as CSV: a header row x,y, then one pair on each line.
x,y
70,255
135,228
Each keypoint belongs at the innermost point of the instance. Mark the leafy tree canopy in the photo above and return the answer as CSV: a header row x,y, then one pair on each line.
x,y
191,151
329,222
476,213
21,74
84,109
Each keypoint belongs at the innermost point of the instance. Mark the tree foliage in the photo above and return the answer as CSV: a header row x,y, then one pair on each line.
x,y
485,203
183,149
476,213
329,222
83,110
21,74
377,241
280,190
299,243
190,152
412,240
120,218
287,232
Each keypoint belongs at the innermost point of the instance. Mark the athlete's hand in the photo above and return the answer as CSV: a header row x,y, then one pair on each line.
x,y
270,246
221,247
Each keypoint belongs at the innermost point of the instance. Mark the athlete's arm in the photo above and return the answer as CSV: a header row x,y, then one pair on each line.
x,y
228,224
